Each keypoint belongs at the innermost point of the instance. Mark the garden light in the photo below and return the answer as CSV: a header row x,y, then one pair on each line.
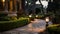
x,y
47,19
30,15
36,15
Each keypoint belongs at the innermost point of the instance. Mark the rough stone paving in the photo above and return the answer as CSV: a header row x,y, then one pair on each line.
x,y
23,30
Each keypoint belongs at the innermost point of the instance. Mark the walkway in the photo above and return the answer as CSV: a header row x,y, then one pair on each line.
x,y
25,30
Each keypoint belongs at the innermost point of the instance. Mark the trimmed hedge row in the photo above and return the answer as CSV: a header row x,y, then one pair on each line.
x,y
6,18
8,25
54,30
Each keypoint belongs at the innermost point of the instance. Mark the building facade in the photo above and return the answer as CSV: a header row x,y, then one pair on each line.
x,y
21,6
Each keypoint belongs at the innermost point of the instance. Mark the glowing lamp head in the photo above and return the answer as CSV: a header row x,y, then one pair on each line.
x,y
47,19
30,15
3,0
36,15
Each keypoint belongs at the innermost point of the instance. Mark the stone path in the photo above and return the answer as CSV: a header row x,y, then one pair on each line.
x,y
22,30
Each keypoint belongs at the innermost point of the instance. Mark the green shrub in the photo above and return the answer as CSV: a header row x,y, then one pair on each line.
x,y
54,30
57,18
3,14
4,17
7,25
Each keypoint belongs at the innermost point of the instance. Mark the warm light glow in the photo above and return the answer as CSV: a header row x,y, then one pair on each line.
x,y
30,15
3,0
36,15
47,19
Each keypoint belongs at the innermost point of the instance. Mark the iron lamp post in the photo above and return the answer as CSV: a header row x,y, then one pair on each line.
x,y
47,20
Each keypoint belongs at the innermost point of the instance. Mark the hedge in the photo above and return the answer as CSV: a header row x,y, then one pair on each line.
x,y
54,30
4,17
8,25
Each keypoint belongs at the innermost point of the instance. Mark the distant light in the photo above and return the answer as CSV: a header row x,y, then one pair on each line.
x,y
47,19
29,3
25,1
37,2
3,0
30,15
36,15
